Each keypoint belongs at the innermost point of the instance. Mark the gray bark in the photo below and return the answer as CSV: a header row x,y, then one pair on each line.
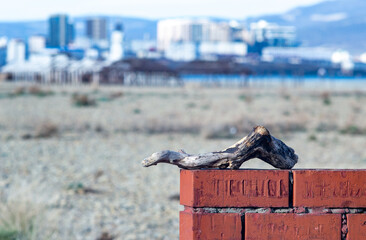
x,y
258,144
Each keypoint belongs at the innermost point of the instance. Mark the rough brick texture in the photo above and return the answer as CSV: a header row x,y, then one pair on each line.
x,y
273,204
234,188
330,188
259,226
209,226
356,224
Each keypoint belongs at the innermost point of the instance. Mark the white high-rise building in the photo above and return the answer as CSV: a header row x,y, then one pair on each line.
x,y
175,31
116,49
36,44
15,51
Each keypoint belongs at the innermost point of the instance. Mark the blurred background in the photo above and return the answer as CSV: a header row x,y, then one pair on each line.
x,y
88,89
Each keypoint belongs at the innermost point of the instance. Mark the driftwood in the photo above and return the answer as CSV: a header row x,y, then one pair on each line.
x,y
258,144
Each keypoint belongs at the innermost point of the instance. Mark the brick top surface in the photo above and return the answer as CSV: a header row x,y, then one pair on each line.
x,y
329,188
234,188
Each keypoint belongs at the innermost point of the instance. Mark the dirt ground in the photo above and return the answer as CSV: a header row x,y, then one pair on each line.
x,y
73,155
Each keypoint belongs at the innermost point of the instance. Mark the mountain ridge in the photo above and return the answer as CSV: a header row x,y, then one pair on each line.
x,y
336,24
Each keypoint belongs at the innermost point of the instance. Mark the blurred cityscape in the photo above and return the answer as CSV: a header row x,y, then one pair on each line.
x,y
183,47
84,98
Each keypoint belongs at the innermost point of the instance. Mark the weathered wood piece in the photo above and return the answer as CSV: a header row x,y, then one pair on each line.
x,y
258,144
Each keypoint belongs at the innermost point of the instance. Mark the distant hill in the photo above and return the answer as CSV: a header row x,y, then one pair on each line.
x,y
338,23
22,30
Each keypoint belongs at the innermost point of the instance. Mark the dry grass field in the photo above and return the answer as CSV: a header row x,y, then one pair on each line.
x,y
70,157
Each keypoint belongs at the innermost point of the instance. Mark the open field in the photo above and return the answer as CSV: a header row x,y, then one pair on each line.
x,y
70,157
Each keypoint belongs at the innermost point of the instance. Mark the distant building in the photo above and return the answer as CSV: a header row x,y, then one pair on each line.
x,y
82,42
237,32
177,31
211,49
36,44
96,28
173,31
3,41
117,37
140,72
187,51
15,51
61,31
343,58
92,53
2,56
144,49
55,68
96,31
313,54
362,58
298,54
190,51
74,53
264,34
3,44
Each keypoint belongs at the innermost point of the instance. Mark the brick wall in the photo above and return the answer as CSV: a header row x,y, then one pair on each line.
x,y
273,204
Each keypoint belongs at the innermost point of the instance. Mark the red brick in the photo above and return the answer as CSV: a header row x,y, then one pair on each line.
x,y
356,224
276,226
330,188
209,226
234,188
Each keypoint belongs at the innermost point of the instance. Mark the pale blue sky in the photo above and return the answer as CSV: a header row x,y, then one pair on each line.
x,y
40,9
